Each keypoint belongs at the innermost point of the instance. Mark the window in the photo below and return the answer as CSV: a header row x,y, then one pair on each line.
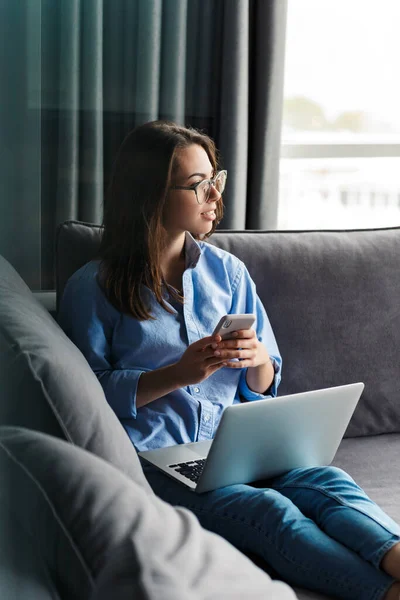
x,y
340,165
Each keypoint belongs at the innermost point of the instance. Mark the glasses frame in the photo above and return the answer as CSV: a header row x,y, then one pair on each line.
x,y
196,185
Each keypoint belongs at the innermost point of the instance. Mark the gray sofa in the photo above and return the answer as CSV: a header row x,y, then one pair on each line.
x,y
333,301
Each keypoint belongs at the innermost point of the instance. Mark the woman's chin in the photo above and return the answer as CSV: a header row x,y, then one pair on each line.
x,y
201,233
206,227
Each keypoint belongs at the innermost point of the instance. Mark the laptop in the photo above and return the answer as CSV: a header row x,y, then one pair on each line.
x,y
260,439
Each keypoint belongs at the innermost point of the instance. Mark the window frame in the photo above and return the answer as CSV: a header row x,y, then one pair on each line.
x,y
340,149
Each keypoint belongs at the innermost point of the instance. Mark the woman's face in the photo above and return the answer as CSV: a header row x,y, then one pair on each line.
x,y
182,211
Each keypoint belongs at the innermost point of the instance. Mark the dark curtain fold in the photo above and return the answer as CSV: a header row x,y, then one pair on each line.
x,y
72,118
268,35
235,121
91,70
20,139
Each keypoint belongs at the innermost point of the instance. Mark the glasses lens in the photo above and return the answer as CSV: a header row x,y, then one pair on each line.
x,y
220,181
204,188
203,191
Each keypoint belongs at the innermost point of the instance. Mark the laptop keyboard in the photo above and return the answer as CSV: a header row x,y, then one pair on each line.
x,y
191,469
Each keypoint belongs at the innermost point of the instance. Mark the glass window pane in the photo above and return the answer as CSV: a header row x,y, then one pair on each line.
x,y
341,87
341,67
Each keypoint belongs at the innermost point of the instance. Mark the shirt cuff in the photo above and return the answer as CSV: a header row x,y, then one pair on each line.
x,y
120,389
272,391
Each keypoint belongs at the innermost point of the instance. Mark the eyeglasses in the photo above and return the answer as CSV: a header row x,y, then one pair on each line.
x,y
202,188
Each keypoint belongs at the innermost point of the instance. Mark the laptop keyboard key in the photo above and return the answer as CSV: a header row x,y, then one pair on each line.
x,y
191,469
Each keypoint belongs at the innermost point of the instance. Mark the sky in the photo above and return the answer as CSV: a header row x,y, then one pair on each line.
x,y
345,54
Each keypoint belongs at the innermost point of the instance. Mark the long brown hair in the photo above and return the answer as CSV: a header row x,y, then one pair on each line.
x,y
133,232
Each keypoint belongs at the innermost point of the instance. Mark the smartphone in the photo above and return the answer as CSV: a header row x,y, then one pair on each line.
x,y
230,323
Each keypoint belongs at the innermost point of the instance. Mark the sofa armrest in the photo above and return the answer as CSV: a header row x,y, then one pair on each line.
x,y
100,535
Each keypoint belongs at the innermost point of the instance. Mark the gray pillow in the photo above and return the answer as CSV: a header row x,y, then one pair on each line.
x,y
47,384
97,532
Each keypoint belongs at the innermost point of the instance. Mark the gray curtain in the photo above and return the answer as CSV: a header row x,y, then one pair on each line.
x,y
81,73
20,139
250,110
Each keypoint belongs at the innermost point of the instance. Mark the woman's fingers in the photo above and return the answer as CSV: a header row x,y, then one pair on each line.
x,y
215,360
244,333
240,343
203,342
229,354
242,364
209,353
246,339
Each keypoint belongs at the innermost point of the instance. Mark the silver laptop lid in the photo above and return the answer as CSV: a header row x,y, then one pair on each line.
x,y
264,438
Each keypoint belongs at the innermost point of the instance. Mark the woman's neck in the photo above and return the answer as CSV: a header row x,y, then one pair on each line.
x,y
173,254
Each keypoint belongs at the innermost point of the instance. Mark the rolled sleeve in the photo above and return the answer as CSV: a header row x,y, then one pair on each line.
x,y
90,328
272,391
120,389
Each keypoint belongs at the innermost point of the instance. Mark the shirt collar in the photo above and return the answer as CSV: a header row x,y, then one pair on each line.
x,y
192,250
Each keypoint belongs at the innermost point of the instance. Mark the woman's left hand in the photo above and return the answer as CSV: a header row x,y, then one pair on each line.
x,y
252,352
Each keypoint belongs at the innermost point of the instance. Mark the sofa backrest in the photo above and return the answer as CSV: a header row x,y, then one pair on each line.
x,y
333,301
46,383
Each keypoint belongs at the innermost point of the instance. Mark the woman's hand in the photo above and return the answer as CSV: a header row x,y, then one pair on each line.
x,y
252,352
201,359
198,362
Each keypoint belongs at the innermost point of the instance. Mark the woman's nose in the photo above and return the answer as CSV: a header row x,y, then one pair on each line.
x,y
214,193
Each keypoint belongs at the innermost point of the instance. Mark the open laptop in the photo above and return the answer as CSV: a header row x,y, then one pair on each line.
x,y
261,439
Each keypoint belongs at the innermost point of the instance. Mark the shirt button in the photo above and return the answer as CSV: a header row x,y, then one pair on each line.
x,y
206,418
196,389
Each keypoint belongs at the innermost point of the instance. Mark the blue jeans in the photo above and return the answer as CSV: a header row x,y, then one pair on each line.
x,y
316,527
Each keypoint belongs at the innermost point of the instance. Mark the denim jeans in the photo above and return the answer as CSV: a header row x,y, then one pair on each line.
x,y
316,527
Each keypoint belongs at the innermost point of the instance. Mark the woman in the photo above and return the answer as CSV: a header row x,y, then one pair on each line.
x,y
142,315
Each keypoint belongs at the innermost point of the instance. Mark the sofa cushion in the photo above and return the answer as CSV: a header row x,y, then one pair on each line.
x,y
332,298
373,463
100,535
47,384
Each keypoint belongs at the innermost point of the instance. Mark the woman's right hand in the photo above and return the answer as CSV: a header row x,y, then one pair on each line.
x,y
198,362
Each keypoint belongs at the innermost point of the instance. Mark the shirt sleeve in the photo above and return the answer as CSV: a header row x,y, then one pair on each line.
x,y
246,300
88,319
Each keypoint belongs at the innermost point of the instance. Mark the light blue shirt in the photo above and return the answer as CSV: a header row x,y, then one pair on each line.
x,y
119,348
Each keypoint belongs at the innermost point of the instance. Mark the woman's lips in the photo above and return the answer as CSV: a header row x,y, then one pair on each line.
x,y
209,215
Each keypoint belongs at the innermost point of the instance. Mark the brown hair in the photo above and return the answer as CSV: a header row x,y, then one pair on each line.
x,y
133,232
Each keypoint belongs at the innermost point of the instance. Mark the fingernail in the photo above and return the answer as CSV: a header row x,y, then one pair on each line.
x,y
235,334
217,353
214,345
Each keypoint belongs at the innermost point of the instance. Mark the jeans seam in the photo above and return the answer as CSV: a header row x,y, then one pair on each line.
x,y
377,595
336,497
